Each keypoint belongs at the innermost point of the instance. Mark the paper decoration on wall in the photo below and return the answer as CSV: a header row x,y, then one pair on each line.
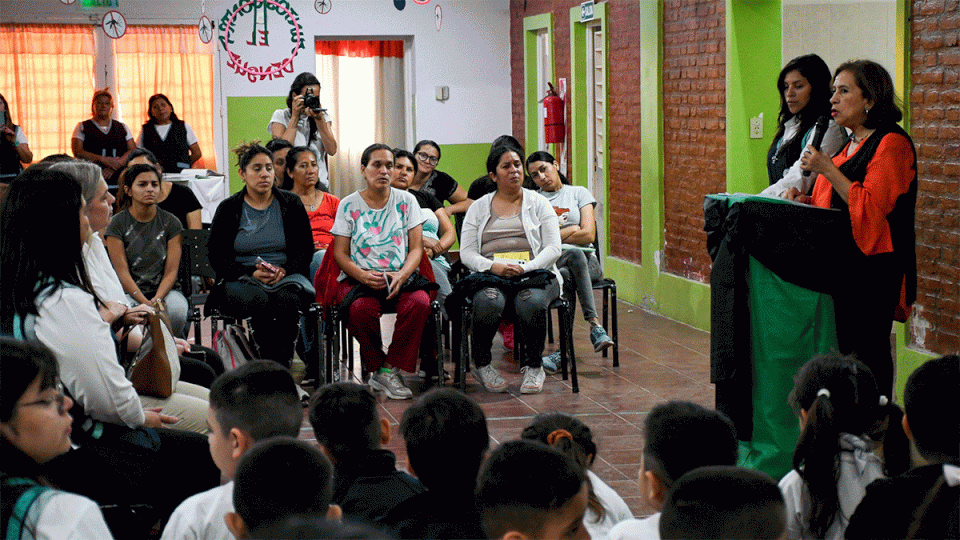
x,y
323,6
113,24
438,16
67,2
422,2
399,4
205,29
261,20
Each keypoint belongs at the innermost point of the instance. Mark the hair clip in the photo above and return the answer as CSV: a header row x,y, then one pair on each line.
x,y
823,392
884,401
558,434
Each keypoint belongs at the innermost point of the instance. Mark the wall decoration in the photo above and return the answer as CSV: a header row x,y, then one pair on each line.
x,y
422,2
255,17
67,2
438,16
323,6
399,4
205,29
113,24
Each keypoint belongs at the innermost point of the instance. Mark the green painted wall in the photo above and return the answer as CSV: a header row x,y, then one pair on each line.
x,y
247,119
464,162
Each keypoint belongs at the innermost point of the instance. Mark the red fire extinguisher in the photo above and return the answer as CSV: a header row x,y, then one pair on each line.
x,y
554,128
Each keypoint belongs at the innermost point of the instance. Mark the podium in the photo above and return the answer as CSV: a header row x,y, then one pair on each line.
x,y
771,311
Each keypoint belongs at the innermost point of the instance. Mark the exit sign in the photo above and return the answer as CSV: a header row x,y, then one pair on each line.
x,y
586,11
100,3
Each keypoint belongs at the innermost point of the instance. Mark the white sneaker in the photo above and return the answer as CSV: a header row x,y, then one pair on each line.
x,y
391,384
532,380
490,378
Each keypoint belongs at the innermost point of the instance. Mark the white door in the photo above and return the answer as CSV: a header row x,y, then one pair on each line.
x,y
596,121
543,75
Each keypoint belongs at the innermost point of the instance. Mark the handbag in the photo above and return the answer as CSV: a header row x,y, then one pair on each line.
x,y
233,346
155,369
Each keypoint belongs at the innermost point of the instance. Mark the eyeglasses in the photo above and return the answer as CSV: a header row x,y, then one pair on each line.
x,y
427,158
60,399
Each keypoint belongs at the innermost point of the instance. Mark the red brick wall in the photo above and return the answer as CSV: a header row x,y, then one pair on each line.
x,y
694,117
935,127
623,93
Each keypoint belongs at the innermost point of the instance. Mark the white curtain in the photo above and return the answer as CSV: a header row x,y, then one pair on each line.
x,y
362,90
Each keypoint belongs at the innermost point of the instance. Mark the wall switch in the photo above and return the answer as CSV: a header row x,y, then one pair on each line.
x,y
756,127
443,93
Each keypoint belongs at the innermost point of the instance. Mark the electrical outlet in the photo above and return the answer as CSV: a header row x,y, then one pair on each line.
x,y
756,127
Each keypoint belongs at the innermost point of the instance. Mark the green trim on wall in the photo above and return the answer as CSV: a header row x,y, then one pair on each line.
x,y
577,93
531,27
752,27
247,119
903,45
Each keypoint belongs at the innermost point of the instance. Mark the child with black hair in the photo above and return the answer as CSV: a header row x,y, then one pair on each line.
x,y
256,401
723,502
605,508
924,502
278,478
530,490
446,439
675,433
351,432
841,411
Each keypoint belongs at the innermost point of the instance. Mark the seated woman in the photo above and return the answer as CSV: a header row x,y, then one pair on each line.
x,y
507,234
279,148
578,231
101,139
47,296
14,150
300,176
378,244
303,125
437,183
34,429
438,232
260,248
144,244
175,198
172,140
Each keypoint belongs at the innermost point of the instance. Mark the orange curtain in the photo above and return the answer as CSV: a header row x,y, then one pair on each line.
x,y
361,49
43,70
169,60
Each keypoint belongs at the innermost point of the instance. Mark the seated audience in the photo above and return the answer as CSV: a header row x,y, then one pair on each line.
x,y
175,198
260,248
35,428
350,432
446,439
723,502
47,296
144,243
841,412
256,401
605,508
14,150
528,490
300,177
378,245
278,149
278,478
923,502
578,232
170,139
102,140
674,435
511,236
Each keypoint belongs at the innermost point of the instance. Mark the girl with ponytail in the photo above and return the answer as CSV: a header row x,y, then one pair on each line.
x,y
605,508
850,436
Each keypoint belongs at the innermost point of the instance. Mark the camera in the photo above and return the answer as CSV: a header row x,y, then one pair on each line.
x,y
311,101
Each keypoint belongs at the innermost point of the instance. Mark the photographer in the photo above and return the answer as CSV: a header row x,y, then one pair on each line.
x,y
305,122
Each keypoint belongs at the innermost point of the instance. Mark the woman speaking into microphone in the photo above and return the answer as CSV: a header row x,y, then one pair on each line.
x,y
873,180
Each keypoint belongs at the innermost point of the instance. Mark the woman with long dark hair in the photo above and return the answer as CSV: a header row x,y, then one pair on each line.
x,y
305,122
14,150
804,87
172,140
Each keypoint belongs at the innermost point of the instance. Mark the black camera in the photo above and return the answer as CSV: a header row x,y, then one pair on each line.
x,y
311,101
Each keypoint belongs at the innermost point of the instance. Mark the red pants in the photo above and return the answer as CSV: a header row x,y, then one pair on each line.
x,y
412,308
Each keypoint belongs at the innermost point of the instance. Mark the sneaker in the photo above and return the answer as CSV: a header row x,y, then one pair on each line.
x,y
423,375
391,384
506,330
551,363
601,341
532,380
490,378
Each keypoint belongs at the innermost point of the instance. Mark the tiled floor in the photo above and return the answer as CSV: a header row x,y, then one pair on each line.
x,y
660,360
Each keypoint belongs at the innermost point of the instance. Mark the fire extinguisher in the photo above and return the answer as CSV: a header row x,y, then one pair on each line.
x,y
554,128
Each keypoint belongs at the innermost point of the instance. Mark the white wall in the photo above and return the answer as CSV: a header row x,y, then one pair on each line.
x,y
470,53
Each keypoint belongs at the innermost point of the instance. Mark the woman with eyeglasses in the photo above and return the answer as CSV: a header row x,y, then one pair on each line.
x,y
34,429
126,454
437,183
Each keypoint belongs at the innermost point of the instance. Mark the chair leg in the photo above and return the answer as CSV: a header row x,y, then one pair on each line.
x,y
606,306
437,317
616,334
566,345
549,326
465,339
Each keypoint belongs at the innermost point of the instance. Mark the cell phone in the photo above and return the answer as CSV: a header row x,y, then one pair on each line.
x,y
3,118
262,263
388,279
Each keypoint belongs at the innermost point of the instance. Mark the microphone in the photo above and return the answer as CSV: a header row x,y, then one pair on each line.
x,y
821,129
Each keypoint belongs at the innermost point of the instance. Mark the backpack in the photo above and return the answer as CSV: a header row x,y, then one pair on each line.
x,y
23,502
233,346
